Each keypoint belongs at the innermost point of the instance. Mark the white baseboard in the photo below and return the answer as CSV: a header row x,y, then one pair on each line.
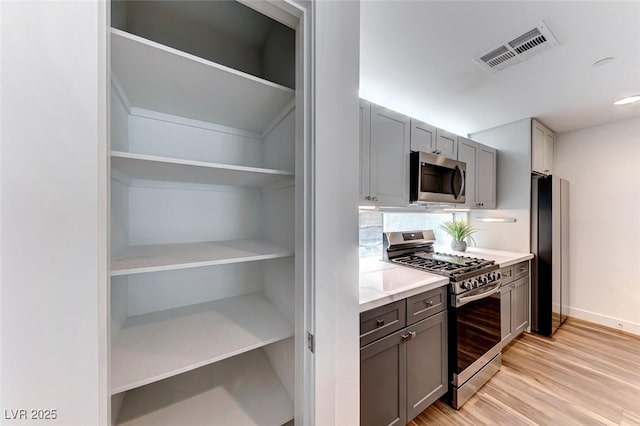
x,y
620,324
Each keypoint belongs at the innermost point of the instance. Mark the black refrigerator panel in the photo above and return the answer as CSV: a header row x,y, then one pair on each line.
x,y
549,244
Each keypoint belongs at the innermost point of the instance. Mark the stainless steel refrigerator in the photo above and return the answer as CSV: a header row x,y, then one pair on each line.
x,y
550,246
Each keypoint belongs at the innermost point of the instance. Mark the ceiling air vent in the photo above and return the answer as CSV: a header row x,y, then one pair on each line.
x,y
519,49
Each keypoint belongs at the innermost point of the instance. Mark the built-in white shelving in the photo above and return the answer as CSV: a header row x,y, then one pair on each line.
x,y
166,257
202,151
243,390
152,167
167,80
154,346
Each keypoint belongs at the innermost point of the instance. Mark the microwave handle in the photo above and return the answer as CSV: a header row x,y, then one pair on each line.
x,y
462,179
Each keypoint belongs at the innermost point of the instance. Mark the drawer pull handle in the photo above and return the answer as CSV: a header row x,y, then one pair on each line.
x,y
379,323
523,269
408,335
428,302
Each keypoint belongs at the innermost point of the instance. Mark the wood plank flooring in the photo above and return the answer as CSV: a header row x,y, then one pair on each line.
x,y
585,374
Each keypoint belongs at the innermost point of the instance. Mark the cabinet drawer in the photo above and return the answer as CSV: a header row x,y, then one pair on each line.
x,y
381,321
507,274
425,304
521,270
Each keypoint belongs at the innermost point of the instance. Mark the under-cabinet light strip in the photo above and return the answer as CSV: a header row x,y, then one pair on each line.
x,y
496,219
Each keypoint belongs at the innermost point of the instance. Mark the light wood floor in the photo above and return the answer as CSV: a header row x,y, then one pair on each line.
x,y
585,374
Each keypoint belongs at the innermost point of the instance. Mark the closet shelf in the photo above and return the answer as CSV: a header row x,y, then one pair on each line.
x,y
164,79
152,167
157,345
166,257
243,390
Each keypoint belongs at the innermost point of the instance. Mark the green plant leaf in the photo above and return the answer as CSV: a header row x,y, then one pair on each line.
x,y
459,230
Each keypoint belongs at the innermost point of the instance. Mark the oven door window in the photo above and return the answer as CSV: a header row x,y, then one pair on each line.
x,y
478,329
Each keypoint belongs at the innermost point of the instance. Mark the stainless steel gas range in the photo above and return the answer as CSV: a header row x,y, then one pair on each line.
x,y
474,308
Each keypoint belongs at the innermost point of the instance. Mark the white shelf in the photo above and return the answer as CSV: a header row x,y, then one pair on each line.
x,y
166,257
163,79
162,344
152,167
243,390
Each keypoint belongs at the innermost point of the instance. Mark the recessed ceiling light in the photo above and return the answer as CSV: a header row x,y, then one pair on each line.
x,y
627,100
603,61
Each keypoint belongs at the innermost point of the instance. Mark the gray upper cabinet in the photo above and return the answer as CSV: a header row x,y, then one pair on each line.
x,y
542,141
365,151
447,144
423,137
468,153
480,185
486,168
389,167
428,138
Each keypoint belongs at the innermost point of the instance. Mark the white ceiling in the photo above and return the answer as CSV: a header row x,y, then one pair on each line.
x,y
417,58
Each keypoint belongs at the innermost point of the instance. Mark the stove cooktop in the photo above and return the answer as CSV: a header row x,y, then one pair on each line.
x,y
452,266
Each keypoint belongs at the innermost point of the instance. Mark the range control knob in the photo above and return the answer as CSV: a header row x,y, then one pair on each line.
x,y
483,279
475,283
499,274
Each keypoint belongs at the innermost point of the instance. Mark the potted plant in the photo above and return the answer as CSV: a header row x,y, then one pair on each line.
x,y
460,231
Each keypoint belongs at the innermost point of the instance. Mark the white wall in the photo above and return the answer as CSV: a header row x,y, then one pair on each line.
x,y
601,164
337,40
52,160
513,180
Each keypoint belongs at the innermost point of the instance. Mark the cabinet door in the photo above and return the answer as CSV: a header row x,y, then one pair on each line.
x,y
486,178
520,305
383,382
423,137
549,140
447,144
390,133
505,314
365,151
427,363
537,147
468,152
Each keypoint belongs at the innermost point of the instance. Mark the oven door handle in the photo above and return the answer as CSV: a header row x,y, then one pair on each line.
x,y
463,300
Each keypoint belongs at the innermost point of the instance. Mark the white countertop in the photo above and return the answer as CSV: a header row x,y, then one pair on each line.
x,y
502,258
382,282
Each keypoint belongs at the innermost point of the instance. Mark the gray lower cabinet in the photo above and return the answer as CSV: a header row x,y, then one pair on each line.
x,y
426,364
514,301
403,373
383,381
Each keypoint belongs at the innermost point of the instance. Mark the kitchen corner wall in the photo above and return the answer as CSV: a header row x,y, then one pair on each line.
x,y
601,164
513,180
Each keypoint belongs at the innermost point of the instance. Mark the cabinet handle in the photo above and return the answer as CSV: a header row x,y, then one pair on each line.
x,y
408,335
379,323
368,198
428,302
523,269
374,199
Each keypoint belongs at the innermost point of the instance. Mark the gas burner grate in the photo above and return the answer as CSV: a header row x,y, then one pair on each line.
x,y
462,265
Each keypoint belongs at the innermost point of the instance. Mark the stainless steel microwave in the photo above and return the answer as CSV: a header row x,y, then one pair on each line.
x,y
436,179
